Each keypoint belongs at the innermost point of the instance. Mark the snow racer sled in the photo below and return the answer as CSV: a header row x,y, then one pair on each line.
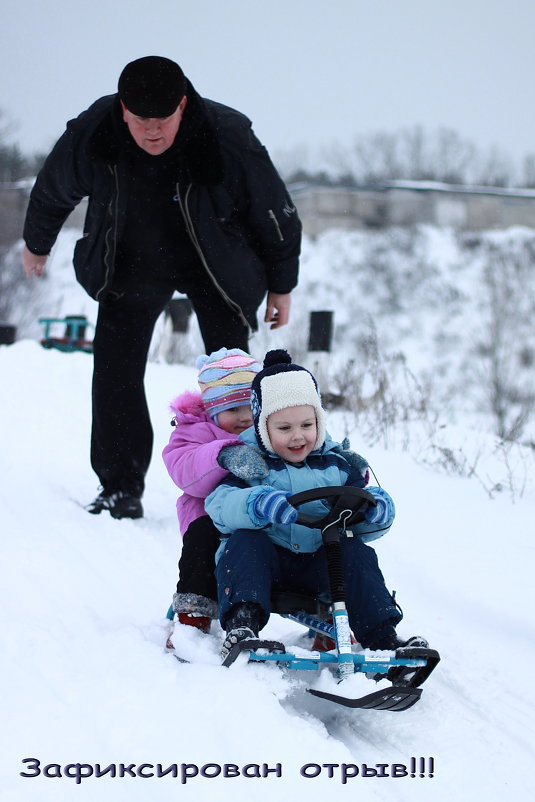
x,y
74,336
404,670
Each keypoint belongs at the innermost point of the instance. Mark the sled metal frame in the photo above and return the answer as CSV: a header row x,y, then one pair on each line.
x,y
361,662
417,661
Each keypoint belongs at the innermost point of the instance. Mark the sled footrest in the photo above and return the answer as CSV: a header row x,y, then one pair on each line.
x,y
272,646
395,699
410,677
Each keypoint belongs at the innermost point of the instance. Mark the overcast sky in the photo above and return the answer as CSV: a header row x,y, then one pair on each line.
x,y
307,72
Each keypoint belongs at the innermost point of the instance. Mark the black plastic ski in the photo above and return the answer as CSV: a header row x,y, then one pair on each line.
x,y
395,699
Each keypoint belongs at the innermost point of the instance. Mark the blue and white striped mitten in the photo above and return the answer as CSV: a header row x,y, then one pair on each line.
x,y
384,511
273,507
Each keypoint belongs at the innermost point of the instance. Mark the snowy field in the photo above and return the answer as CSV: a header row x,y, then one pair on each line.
x,y
84,675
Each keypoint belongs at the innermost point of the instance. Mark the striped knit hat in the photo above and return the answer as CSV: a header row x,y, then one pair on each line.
x,y
225,379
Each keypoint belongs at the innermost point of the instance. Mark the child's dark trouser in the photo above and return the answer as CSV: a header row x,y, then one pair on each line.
x,y
251,563
197,564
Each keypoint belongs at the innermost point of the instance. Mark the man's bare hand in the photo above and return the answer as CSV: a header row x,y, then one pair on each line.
x,y
32,263
277,309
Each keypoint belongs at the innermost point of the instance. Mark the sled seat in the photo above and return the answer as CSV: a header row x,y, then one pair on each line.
x,y
285,601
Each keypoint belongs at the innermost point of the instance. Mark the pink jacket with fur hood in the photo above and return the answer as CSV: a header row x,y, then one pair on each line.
x,y
191,456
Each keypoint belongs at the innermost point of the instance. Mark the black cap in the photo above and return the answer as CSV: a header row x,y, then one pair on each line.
x,y
152,86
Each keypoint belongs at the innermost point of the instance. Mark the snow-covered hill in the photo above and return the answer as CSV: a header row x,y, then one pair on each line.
x,y
430,317
85,680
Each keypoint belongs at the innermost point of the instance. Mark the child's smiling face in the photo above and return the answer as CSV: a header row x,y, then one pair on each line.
x,y
293,432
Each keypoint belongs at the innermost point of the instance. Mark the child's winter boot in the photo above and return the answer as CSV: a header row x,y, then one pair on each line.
x,y
192,610
242,623
387,639
201,622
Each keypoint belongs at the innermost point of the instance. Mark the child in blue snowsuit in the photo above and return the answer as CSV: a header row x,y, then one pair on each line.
x,y
263,546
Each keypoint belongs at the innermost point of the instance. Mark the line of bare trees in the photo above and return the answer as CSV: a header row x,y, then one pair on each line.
x,y
410,154
14,164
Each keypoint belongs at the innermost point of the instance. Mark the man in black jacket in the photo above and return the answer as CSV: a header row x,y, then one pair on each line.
x,y
181,196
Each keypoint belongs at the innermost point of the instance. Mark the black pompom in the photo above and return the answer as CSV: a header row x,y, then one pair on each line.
x,y
277,357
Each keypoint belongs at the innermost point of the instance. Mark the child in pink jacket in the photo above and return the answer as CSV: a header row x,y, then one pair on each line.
x,y
203,448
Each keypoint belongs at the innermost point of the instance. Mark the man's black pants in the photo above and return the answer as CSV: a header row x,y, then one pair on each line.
x,y
122,436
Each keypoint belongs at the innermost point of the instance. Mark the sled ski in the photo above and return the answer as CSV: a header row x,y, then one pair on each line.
x,y
394,699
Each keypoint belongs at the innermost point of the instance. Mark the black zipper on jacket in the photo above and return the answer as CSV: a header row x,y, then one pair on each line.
x,y
112,231
193,236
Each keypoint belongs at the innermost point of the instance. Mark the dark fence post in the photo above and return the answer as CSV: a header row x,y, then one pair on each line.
x,y
179,310
319,346
321,331
176,324
8,334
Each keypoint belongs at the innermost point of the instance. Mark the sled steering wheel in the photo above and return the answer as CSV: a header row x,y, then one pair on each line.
x,y
347,505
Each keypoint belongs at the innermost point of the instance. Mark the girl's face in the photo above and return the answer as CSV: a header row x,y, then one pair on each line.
x,y
293,432
236,419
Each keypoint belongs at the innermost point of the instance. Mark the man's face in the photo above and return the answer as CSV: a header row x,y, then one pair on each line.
x,y
154,135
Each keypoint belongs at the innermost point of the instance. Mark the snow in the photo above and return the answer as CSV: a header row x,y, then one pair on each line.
x,y
84,598
83,670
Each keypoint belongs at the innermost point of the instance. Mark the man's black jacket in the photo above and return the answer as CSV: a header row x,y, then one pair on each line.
x,y
235,206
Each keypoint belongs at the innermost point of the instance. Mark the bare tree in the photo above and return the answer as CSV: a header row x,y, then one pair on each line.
x,y
377,158
494,169
415,154
506,349
452,156
14,164
529,170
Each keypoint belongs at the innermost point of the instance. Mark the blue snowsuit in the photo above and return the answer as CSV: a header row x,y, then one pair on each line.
x,y
255,557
